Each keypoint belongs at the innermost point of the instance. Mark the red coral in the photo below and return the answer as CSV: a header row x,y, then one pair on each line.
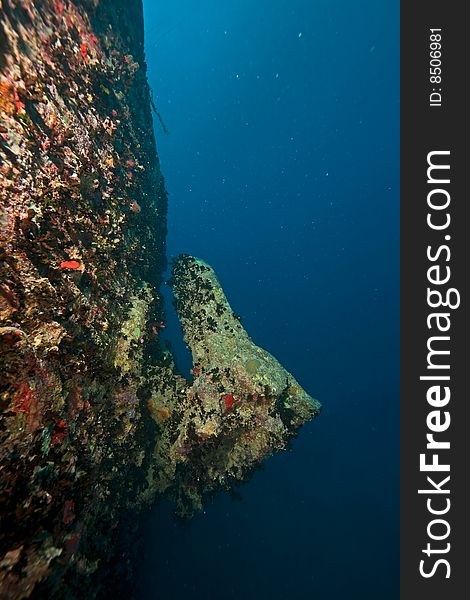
x,y
59,433
75,400
24,398
11,334
229,400
92,40
72,542
69,512
20,107
58,7
25,401
84,50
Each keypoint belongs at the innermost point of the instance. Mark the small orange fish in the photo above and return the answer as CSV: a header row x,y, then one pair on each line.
x,y
70,264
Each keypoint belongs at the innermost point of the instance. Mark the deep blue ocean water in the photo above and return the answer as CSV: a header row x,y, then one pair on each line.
x,y
282,168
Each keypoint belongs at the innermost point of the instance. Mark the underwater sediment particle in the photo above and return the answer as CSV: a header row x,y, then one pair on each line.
x,y
241,405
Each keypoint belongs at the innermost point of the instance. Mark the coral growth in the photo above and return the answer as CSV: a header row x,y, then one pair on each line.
x,y
241,405
78,273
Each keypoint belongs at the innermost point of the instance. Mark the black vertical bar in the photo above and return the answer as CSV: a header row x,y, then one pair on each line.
x,y
427,127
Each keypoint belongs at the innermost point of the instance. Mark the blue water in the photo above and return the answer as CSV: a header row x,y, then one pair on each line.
x,y
282,169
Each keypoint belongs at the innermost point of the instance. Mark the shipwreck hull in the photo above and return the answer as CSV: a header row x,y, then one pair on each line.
x,y
96,422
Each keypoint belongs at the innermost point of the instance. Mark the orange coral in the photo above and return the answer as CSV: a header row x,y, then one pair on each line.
x,y
7,98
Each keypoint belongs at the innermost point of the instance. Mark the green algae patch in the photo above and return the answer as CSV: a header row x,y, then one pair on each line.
x,y
252,365
128,349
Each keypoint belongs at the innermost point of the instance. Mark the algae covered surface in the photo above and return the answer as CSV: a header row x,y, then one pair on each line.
x,y
241,405
96,421
82,246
